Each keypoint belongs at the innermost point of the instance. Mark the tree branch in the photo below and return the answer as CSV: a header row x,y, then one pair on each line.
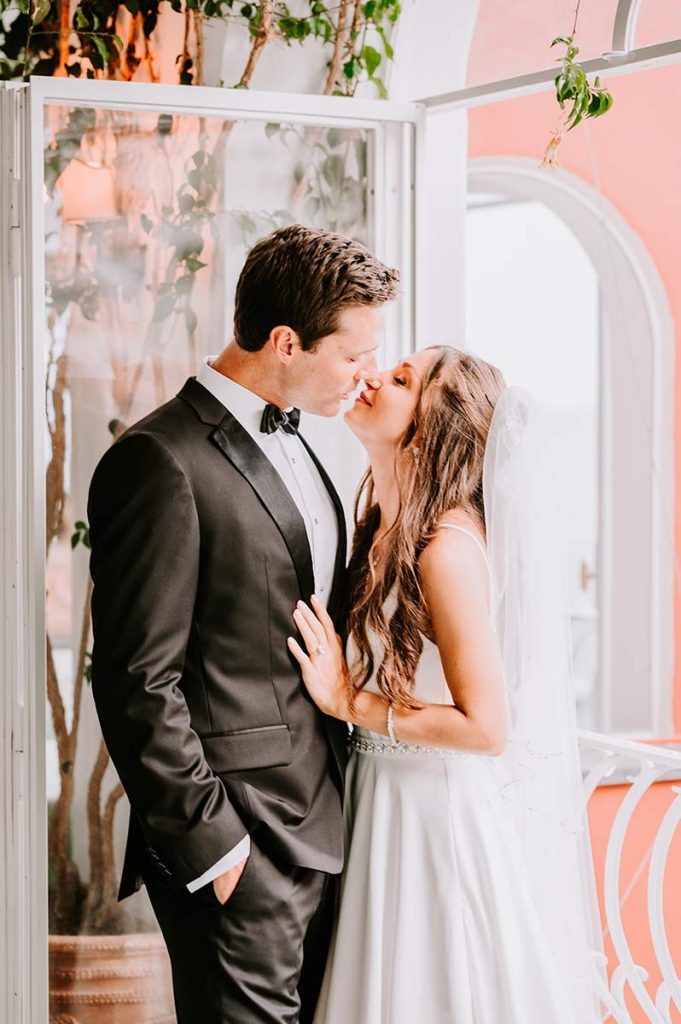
x,y
262,37
80,664
198,37
338,44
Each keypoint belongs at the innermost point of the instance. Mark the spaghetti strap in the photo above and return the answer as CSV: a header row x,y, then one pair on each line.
x,y
454,526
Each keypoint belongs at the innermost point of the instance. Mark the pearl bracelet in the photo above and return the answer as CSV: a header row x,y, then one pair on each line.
x,y
391,727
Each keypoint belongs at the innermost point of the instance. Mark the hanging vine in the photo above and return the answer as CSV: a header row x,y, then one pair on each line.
x,y
586,99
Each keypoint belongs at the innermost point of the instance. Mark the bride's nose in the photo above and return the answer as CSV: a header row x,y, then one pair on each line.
x,y
373,382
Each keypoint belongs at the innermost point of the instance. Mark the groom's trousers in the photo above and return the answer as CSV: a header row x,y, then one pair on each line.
x,y
257,959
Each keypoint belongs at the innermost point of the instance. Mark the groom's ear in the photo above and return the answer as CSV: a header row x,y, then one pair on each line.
x,y
285,342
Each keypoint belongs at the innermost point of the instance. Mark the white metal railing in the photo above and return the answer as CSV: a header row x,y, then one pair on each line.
x,y
610,760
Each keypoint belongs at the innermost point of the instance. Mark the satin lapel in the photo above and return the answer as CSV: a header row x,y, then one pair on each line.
x,y
239,447
341,550
336,731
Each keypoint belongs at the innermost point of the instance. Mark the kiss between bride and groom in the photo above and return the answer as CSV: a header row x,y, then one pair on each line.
x,y
355,791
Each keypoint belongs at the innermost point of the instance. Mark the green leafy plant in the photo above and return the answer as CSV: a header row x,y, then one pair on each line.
x,y
578,98
114,38
573,86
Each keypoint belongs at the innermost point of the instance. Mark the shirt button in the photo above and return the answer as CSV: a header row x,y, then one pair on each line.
x,y
321,589
316,522
292,459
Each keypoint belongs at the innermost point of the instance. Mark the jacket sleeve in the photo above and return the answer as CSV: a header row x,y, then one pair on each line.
x,y
144,564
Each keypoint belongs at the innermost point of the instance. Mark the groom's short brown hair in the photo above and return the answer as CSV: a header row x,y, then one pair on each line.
x,y
303,278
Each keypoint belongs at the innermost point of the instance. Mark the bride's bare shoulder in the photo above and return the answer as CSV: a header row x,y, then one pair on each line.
x,y
452,548
458,518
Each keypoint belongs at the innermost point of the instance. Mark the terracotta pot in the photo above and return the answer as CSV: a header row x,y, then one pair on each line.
x,y
110,979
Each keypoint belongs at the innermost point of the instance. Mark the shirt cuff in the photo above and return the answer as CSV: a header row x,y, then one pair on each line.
x,y
230,860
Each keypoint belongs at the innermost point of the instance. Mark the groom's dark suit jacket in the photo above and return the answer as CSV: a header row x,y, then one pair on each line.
x,y
199,555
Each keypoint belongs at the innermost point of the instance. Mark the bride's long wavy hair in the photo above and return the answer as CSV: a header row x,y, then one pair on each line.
x,y
438,467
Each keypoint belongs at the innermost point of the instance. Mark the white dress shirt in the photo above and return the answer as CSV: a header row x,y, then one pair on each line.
x,y
294,465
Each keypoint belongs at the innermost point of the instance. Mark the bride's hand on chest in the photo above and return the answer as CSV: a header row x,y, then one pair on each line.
x,y
322,661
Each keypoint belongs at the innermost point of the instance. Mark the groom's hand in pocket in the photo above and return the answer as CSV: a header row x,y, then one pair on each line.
x,y
224,885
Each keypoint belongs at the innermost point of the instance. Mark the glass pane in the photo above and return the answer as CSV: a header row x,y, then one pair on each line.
x,y
148,220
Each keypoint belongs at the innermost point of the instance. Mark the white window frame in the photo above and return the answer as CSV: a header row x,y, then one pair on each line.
x,y
23,867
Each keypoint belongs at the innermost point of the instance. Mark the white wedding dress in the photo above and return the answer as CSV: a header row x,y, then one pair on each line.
x,y
436,922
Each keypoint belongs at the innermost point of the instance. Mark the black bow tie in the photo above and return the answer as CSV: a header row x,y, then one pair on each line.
x,y
274,418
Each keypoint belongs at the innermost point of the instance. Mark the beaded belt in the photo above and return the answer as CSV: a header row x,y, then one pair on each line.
x,y
364,745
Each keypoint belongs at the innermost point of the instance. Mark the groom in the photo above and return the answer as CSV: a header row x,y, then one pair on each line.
x,y
209,519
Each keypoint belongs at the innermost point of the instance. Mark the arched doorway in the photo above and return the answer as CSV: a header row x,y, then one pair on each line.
x,y
634,497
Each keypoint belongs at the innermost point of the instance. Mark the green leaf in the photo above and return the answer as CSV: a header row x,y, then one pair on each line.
x,y
147,225
594,105
389,52
102,48
191,320
183,284
332,170
195,264
371,58
334,138
80,535
164,307
349,68
41,11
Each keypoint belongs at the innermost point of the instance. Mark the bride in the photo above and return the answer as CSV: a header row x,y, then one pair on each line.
x,y
467,895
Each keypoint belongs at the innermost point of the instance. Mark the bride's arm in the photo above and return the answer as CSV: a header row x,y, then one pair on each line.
x,y
454,582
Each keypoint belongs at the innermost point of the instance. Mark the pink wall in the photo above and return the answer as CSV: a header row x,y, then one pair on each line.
x,y
636,152
635,149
